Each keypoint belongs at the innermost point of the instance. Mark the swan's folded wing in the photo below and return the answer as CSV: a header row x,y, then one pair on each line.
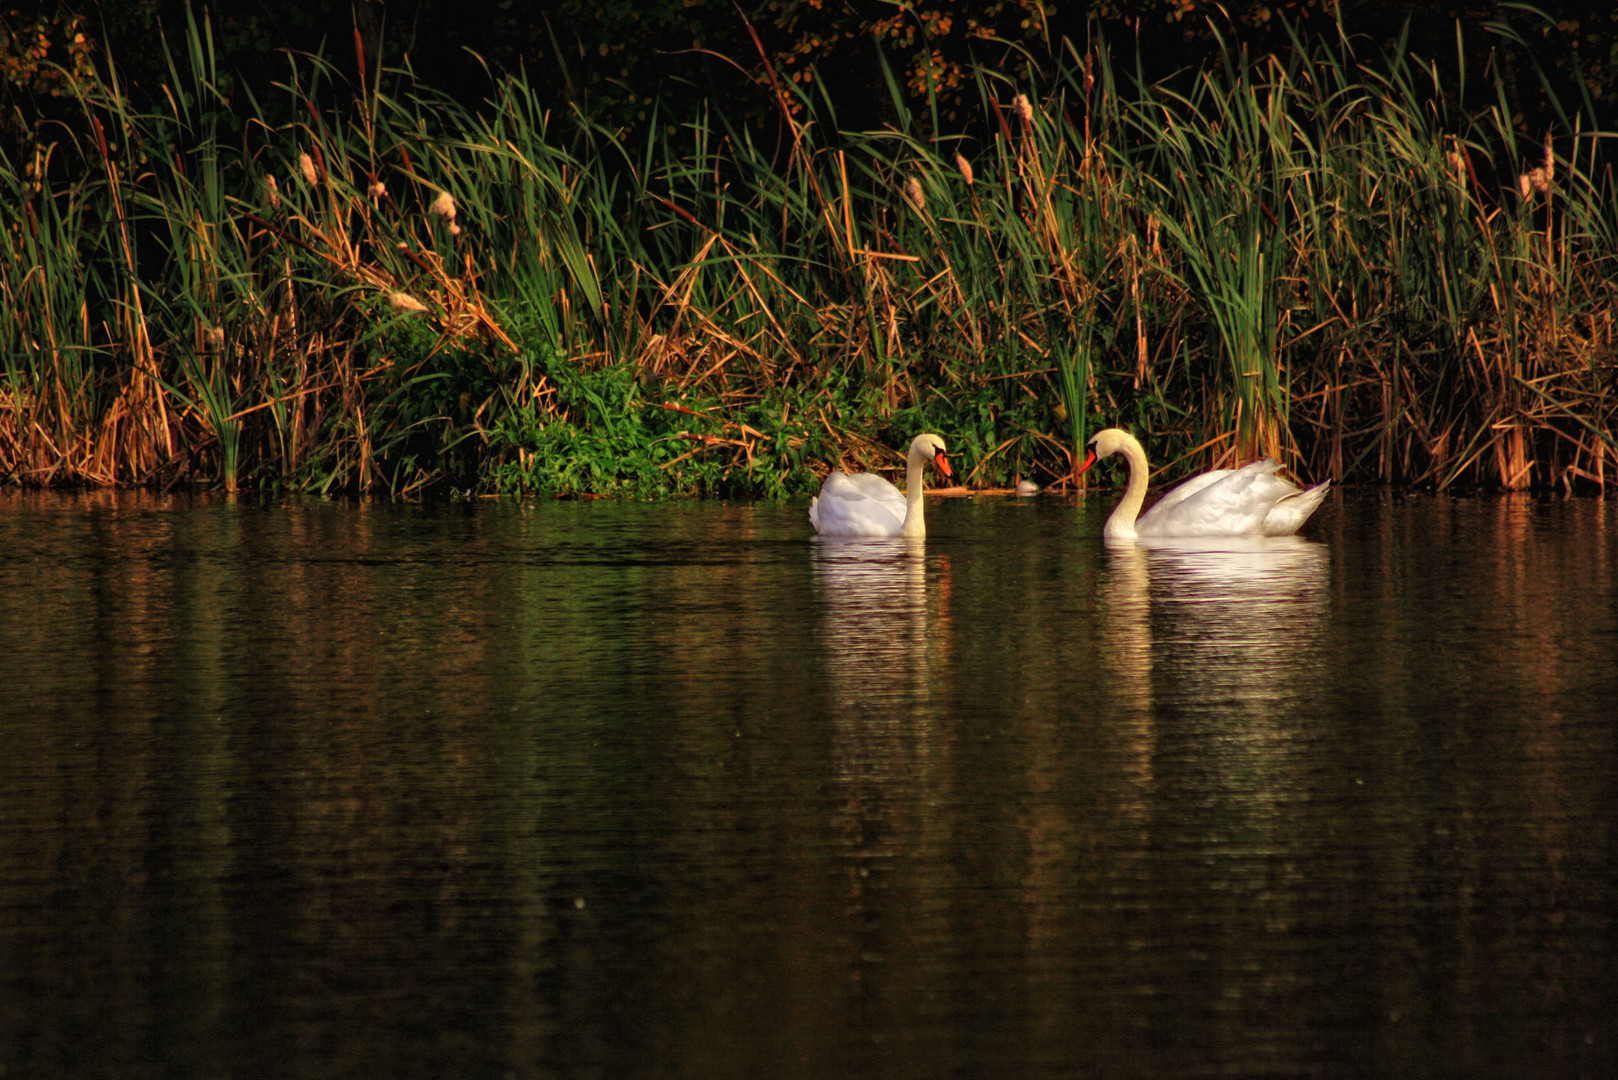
x,y
1178,494
860,505
870,485
1234,504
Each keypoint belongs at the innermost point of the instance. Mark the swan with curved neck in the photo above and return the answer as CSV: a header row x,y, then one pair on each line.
x,y
864,504
1250,501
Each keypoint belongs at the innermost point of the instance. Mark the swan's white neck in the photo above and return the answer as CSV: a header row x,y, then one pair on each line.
x,y
1121,525
915,470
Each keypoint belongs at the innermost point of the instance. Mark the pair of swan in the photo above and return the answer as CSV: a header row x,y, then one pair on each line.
x,y
1250,501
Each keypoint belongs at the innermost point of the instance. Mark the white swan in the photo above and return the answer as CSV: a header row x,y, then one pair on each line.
x,y
864,504
1250,501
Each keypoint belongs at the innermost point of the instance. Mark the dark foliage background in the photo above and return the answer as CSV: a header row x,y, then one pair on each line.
x,y
625,61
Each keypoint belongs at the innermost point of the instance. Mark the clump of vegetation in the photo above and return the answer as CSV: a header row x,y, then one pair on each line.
x,y
1305,256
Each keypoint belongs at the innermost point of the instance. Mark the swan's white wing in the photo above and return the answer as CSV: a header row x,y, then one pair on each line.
x,y
870,485
1234,504
1178,494
863,504
1288,515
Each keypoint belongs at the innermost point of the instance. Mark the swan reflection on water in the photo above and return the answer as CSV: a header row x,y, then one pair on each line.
x,y
1212,648
1231,618
876,633
1239,569
883,649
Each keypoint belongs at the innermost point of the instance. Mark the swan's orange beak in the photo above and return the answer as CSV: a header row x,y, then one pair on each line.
x,y
1089,460
943,465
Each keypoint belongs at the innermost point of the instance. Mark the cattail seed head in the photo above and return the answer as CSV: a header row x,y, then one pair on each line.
x,y
377,190
274,190
1542,177
914,193
1024,109
306,165
403,301
443,206
964,166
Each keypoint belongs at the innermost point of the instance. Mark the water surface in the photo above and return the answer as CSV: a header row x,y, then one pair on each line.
x,y
610,789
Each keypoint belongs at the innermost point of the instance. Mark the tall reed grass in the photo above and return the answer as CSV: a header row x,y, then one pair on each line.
x,y
1314,256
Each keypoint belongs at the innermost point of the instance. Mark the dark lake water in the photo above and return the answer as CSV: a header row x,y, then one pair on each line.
x,y
673,790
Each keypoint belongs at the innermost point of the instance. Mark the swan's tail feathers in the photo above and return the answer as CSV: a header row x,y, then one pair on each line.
x,y
1287,516
814,512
